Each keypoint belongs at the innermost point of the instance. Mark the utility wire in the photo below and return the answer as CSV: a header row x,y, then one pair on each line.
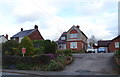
x,y
47,12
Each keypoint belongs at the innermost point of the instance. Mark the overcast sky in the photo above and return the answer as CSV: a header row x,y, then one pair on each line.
x,y
95,17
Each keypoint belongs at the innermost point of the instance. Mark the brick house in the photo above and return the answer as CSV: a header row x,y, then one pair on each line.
x,y
114,44
33,34
73,39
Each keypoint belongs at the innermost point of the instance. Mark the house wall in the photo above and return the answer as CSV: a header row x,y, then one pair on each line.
x,y
2,39
80,35
36,36
80,45
81,40
112,45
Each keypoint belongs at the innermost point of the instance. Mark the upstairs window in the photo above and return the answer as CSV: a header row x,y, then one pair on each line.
x,y
63,38
73,35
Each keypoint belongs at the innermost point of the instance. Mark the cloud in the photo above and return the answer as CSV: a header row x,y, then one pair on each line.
x,y
97,18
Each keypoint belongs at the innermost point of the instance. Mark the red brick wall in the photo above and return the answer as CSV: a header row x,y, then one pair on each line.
x,y
112,45
36,36
73,31
79,45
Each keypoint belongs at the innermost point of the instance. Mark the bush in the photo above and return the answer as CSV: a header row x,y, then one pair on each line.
x,y
43,59
61,59
27,43
117,53
23,66
47,45
9,60
54,66
67,52
10,47
59,52
51,55
39,51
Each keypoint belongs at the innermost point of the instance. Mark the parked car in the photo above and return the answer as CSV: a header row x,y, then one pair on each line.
x,y
90,50
101,49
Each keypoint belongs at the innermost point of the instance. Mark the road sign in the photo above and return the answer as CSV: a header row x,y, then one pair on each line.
x,y
23,50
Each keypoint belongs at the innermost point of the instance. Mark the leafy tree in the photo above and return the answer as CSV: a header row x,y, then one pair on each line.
x,y
10,47
27,43
46,45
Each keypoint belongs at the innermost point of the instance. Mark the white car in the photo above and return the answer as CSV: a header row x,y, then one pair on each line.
x,y
90,50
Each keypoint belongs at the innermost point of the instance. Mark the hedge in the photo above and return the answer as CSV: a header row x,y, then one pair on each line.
x,y
13,60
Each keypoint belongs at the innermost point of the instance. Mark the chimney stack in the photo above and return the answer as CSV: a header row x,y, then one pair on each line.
x,y
35,27
78,26
21,29
6,36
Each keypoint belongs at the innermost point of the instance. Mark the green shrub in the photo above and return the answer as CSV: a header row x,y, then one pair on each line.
x,y
54,66
9,60
61,59
67,52
43,59
47,45
23,66
10,47
39,51
59,52
117,53
27,43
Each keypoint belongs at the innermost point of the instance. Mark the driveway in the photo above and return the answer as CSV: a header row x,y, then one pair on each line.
x,y
93,64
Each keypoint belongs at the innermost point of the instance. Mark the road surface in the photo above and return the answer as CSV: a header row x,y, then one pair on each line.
x,y
93,64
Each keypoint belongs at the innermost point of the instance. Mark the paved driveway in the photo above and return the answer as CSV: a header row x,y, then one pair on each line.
x,y
93,64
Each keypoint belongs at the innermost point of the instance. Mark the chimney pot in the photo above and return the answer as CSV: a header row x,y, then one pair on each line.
x,y
21,29
35,27
78,26
6,36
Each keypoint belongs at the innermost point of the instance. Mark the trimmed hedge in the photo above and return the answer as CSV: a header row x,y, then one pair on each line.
x,y
13,60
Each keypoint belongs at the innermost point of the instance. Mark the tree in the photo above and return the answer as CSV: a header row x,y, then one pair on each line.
x,y
10,47
92,40
27,43
47,46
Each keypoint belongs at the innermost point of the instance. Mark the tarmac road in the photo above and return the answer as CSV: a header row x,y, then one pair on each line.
x,y
93,64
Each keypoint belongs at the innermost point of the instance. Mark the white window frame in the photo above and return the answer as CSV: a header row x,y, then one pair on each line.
x,y
74,35
73,44
116,44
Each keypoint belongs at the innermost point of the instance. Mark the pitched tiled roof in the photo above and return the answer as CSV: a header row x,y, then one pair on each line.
x,y
62,41
116,37
78,29
23,33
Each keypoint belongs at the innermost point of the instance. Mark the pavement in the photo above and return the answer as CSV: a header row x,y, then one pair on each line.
x,y
83,64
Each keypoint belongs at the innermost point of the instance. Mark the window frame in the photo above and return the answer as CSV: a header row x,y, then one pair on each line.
x,y
73,35
117,44
73,45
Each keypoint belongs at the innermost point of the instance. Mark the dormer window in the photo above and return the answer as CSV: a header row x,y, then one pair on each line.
x,y
63,38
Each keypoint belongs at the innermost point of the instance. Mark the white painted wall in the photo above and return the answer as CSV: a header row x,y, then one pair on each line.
x,y
20,39
2,39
